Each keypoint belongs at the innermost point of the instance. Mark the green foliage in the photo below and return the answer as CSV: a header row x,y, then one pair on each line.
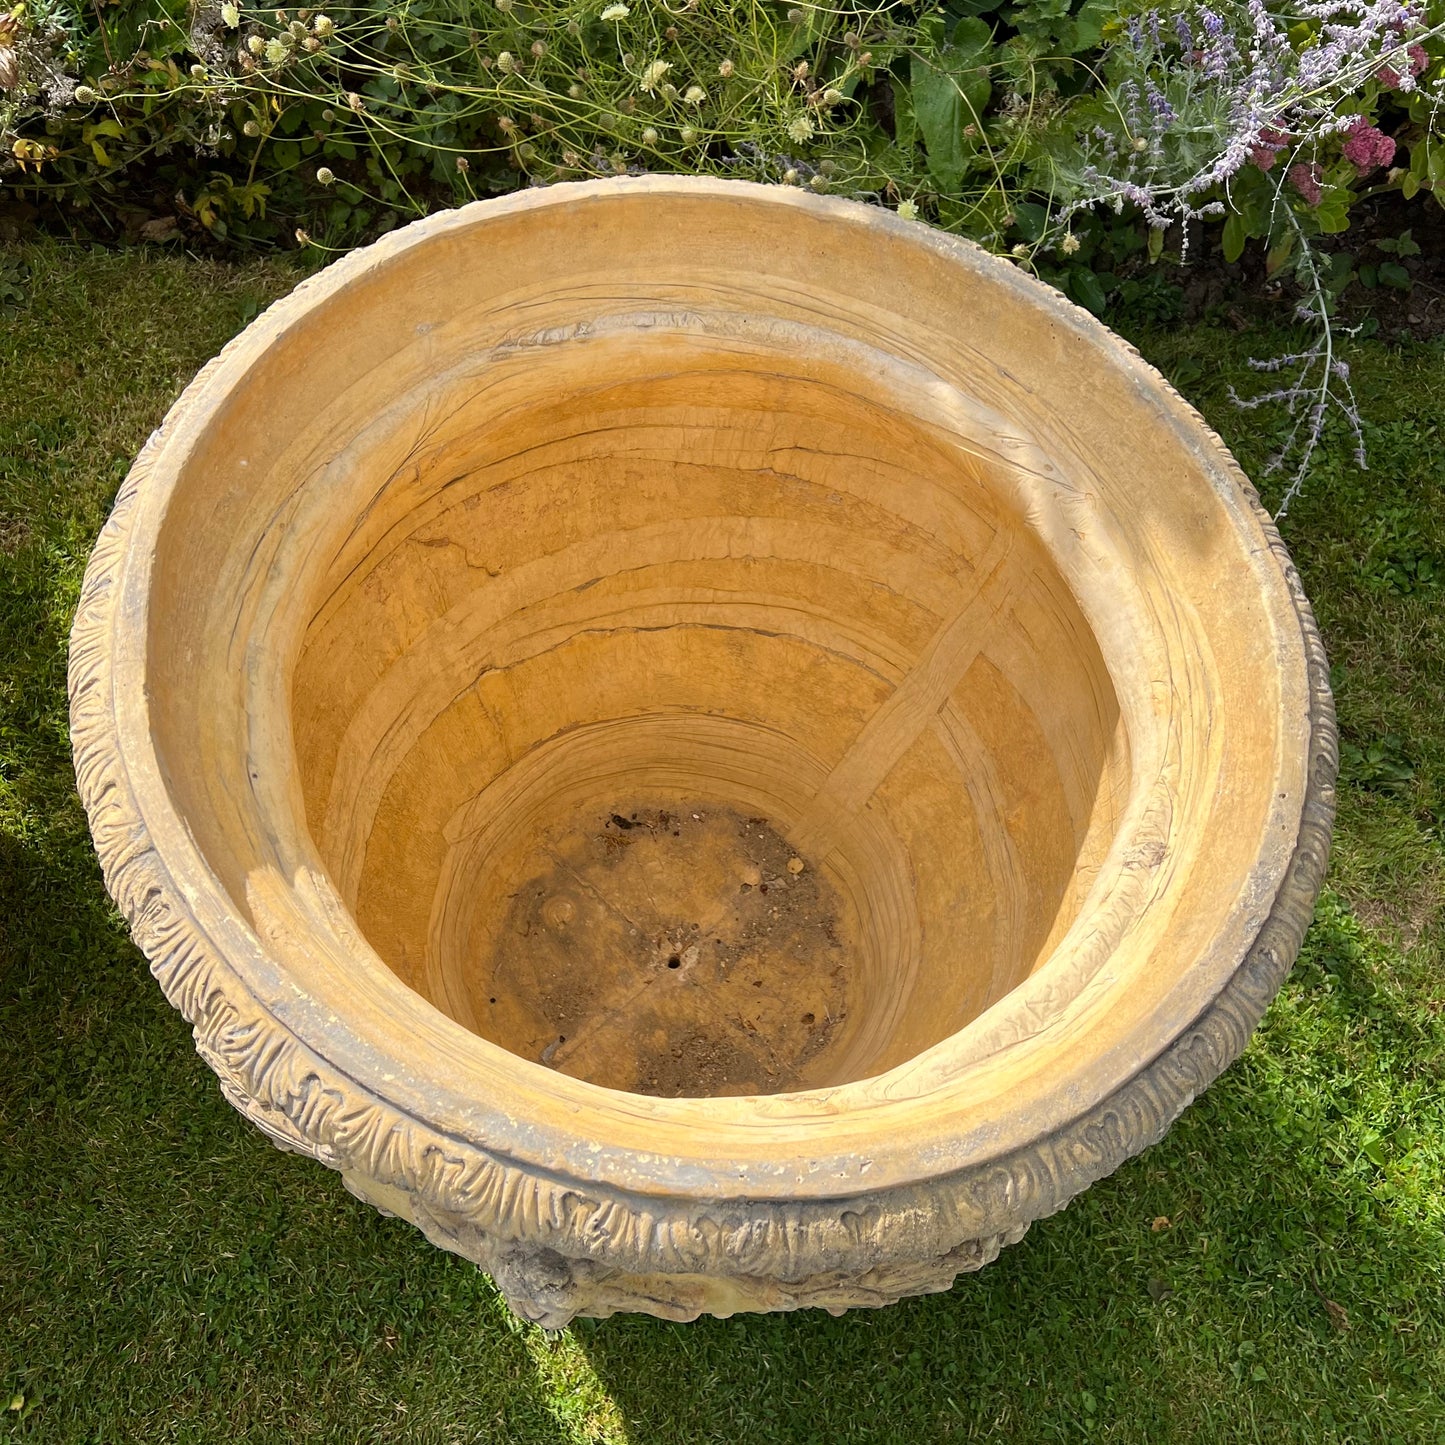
x,y
1380,764
1397,555
948,92
1271,1271
14,279
246,124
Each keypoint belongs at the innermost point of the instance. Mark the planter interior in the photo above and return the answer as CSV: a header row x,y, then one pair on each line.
x,y
684,715
808,681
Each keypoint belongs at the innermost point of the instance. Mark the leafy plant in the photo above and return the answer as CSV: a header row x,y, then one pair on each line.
x,y
14,284
1379,764
1398,557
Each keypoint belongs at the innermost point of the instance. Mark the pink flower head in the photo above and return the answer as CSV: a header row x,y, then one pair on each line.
x,y
1306,177
1367,148
1271,142
1418,59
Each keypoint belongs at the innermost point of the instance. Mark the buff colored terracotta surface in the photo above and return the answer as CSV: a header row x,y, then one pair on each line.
x,y
712,748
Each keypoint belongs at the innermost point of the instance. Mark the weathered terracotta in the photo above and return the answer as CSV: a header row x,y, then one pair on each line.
x,y
711,747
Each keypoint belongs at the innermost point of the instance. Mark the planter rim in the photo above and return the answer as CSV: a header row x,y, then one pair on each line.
x,y
279,1052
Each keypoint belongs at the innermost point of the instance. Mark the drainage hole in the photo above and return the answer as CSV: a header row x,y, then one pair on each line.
x,y
674,962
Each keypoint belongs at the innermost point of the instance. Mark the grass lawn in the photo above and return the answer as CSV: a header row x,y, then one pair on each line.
x,y
167,1275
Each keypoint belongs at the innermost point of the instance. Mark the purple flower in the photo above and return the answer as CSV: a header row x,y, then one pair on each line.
x,y
1219,49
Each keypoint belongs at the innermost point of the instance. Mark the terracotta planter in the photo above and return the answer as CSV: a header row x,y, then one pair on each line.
x,y
713,748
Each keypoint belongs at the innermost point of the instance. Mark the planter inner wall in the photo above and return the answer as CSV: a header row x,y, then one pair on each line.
x,y
689,559
646,622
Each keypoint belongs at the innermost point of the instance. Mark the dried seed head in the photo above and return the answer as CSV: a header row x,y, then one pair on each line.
x,y
695,95
256,45
463,165
251,129
539,48
323,26
1070,244
649,137
726,69
325,175
908,210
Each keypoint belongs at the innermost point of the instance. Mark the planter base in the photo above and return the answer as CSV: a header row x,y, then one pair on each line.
x,y
671,948
551,1290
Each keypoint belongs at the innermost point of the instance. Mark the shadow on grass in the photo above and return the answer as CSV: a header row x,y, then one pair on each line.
x,y
1214,1327
168,1275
